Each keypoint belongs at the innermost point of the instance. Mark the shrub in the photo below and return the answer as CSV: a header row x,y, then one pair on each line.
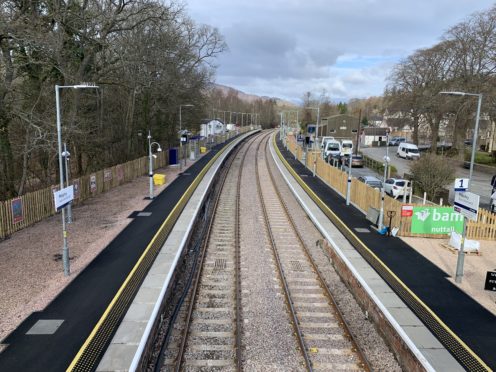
x,y
431,173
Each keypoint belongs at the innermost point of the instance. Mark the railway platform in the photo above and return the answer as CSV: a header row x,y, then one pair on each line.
x,y
465,328
49,340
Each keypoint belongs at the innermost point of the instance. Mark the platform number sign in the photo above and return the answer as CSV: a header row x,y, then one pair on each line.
x,y
461,184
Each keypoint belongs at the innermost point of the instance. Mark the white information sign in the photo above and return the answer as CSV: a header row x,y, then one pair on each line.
x,y
461,184
467,204
63,197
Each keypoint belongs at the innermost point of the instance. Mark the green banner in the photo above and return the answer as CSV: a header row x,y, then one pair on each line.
x,y
436,220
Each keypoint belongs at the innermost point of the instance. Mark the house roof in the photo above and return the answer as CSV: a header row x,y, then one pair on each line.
x,y
207,121
374,131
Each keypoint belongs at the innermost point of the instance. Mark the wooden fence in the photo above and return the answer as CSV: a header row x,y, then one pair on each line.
x,y
365,197
26,210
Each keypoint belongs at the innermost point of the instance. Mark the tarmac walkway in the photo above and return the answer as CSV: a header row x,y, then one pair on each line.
x,y
34,345
470,321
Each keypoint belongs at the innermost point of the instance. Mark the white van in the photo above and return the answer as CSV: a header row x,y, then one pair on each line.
x,y
325,139
408,151
346,147
333,148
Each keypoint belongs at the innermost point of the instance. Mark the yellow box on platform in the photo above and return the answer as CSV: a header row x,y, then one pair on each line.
x,y
203,149
159,179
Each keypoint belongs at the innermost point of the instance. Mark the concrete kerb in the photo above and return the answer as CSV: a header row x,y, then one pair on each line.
x,y
411,355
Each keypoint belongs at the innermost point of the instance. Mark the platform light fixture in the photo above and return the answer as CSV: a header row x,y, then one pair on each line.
x,y
65,248
461,255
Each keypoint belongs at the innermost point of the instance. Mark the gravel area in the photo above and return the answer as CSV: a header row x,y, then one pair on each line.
x,y
31,270
366,335
268,341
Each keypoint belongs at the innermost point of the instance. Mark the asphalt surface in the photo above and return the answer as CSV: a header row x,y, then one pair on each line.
x,y
475,325
81,304
481,182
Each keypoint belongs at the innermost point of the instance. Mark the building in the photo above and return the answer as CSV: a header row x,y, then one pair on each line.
x,y
339,126
373,136
210,127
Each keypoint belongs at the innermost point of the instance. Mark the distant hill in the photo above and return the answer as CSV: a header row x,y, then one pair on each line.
x,y
250,98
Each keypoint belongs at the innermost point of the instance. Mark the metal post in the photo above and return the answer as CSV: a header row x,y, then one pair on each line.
x,y
150,164
386,164
65,248
348,187
461,253
358,132
66,167
317,130
180,140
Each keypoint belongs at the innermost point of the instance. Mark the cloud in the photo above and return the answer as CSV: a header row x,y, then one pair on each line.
x,y
266,51
284,48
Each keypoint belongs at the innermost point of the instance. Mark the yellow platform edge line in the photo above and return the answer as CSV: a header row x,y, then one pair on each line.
x,y
324,207
178,205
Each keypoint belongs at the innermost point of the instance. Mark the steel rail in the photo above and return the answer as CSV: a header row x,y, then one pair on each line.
x,y
345,327
287,293
196,280
453,343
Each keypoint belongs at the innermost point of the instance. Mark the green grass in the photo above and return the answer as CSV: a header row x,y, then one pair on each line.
x,y
481,158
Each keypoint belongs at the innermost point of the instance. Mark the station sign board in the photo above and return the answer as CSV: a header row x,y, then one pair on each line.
x,y
63,197
467,204
436,220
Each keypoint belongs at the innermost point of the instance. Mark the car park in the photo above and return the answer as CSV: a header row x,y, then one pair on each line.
x,y
396,187
371,181
395,141
408,151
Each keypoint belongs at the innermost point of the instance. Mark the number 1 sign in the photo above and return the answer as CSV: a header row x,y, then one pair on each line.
x,y
461,184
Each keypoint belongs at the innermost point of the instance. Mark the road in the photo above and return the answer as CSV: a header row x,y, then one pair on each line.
x,y
480,181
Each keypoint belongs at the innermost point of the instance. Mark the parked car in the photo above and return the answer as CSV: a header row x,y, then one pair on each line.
x,y
346,147
395,141
333,148
408,151
371,181
325,139
396,187
357,161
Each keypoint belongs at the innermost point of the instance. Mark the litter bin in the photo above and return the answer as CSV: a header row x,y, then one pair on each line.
x,y
173,156
158,179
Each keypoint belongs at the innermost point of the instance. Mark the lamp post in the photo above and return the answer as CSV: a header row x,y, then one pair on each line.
x,y
348,184
66,155
150,158
461,254
181,135
65,248
380,225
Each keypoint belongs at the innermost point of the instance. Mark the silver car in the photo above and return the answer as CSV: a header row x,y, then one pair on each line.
x,y
371,181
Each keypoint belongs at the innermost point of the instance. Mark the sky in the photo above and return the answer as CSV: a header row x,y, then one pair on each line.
x,y
345,48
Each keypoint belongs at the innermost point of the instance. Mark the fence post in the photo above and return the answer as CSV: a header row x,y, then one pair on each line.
x,y
425,198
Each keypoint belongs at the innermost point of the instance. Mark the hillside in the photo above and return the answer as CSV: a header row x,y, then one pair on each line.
x,y
250,98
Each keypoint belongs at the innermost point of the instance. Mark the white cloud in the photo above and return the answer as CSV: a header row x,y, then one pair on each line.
x,y
284,48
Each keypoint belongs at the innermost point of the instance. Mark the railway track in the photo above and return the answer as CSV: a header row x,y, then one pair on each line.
x,y
322,333
208,334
